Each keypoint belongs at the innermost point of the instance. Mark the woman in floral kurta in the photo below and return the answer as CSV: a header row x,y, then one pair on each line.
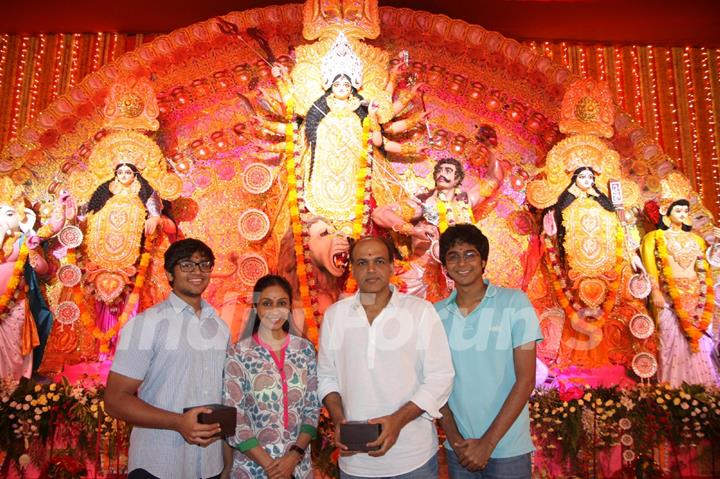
x,y
270,377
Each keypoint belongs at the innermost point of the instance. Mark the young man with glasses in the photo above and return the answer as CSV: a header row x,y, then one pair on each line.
x,y
171,357
492,333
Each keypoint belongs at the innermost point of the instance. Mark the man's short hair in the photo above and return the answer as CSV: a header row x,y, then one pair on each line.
x,y
459,170
185,248
464,233
382,239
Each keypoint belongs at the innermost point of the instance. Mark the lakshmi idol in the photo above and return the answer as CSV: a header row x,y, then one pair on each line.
x,y
590,249
678,262
125,228
122,193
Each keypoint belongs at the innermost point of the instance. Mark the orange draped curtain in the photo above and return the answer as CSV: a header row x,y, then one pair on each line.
x,y
674,92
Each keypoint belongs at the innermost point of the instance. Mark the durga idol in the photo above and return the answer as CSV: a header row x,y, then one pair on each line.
x,y
342,94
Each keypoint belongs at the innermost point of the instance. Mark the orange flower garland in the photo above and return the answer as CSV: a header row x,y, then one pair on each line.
x,y
442,214
693,327
456,206
311,329
565,296
362,195
350,285
14,280
86,318
364,185
615,285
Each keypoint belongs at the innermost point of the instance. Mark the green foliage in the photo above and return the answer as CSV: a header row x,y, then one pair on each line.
x,y
35,414
580,421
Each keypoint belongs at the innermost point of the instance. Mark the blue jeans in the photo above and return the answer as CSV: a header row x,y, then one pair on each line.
x,y
517,467
429,470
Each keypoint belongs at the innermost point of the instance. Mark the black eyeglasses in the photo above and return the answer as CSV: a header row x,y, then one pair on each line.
x,y
188,265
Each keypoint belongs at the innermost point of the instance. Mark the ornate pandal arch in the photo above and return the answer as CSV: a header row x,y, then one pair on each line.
x,y
68,153
27,146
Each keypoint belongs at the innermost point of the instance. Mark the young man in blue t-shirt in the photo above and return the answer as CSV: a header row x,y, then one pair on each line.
x,y
492,333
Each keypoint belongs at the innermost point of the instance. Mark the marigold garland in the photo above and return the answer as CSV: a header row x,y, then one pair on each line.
x,y
442,214
14,280
565,295
363,182
693,327
615,284
311,329
86,318
456,206
362,195
351,285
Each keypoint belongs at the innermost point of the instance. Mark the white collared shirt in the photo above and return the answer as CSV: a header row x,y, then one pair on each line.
x,y
179,357
377,368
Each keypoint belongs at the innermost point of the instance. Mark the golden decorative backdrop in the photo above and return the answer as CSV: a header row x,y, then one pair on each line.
x,y
674,93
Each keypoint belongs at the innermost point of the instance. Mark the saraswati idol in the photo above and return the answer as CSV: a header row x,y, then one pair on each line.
x,y
590,249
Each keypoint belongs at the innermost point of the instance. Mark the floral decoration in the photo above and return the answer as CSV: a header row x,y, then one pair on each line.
x,y
38,418
15,278
694,326
581,421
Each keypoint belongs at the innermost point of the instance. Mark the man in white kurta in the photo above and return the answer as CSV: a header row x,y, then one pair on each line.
x,y
384,357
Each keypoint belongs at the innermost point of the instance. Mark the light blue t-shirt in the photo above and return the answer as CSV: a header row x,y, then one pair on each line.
x,y
481,345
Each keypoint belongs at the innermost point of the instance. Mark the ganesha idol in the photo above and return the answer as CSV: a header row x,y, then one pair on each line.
x,y
25,319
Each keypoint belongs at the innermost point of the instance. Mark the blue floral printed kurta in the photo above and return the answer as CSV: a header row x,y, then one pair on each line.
x,y
275,394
